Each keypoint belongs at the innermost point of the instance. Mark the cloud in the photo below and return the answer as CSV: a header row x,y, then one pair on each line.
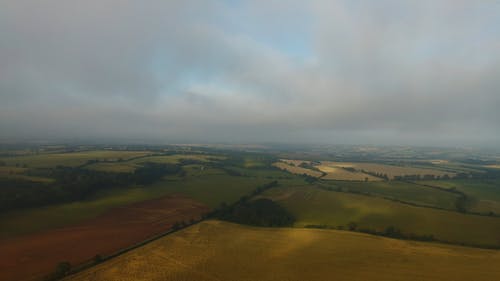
x,y
421,72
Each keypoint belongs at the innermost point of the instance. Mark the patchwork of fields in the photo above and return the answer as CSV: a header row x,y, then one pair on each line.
x,y
356,196
33,256
341,174
359,171
47,160
314,206
390,170
297,170
214,250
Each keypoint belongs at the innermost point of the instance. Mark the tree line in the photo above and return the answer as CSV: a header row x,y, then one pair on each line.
x,y
75,184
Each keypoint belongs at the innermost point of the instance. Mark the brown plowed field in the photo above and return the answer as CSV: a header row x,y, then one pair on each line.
x,y
33,256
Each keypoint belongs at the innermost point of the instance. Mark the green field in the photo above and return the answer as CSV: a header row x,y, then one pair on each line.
x,y
50,160
214,250
120,167
485,194
403,191
208,185
314,206
176,158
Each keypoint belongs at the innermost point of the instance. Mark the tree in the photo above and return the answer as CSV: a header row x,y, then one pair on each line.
x,y
97,259
352,226
63,268
176,226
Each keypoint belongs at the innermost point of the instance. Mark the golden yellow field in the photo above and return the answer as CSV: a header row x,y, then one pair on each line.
x,y
295,162
18,173
390,170
297,170
214,250
338,173
8,170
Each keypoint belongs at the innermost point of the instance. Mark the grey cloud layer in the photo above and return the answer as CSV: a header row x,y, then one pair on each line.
x,y
418,72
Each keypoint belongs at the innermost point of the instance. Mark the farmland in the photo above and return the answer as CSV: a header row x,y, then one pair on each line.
x,y
209,186
214,250
341,174
484,194
47,160
390,170
97,194
297,170
397,190
35,255
317,207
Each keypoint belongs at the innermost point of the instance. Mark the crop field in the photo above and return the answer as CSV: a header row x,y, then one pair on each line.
x,y
196,170
120,167
35,255
338,173
54,216
294,162
48,160
214,250
11,172
398,190
209,186
314,206
213,190
449,166
297,170
484,194
132,201
390,170
176,158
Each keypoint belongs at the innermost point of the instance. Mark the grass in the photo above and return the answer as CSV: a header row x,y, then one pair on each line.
x,y
176,158
213,189
50,160
119,167
209,186
314,206
485,194
9,170
403,191
17,173
37,219
214,250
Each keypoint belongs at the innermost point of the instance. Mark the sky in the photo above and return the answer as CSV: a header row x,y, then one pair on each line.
x,y
421,72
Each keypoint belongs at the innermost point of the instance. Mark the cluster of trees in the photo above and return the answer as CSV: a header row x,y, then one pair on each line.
x,y
62,269
306,165
378,175
420,177
390,231
74,184
487,174
259,212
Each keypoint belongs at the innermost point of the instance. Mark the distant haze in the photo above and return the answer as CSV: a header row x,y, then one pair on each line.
x,y
380,72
